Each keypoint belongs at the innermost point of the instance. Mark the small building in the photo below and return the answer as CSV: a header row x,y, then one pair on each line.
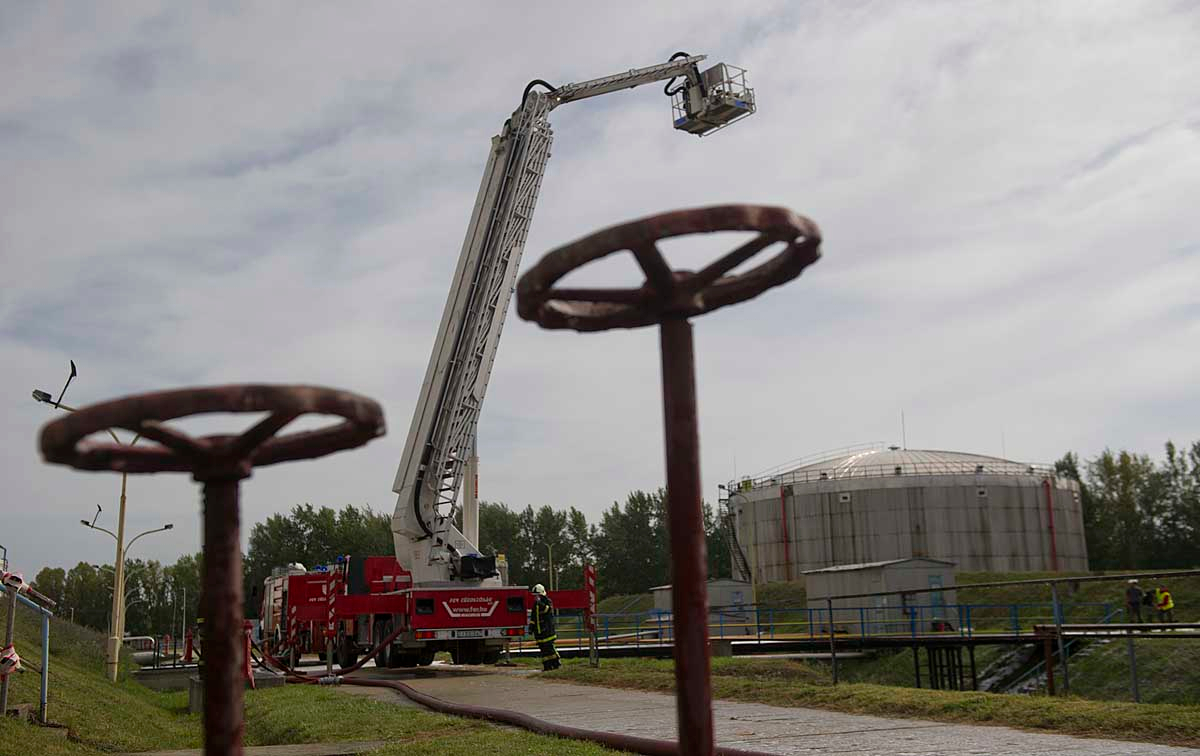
x,y
899,613
723,593
730,606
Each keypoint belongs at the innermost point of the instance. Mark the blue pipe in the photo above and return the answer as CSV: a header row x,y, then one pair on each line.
x,y
45,652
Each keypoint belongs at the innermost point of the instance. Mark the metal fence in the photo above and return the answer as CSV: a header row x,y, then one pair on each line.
x,y
767,623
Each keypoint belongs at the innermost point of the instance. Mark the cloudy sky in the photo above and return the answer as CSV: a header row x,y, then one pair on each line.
x,y
1008,193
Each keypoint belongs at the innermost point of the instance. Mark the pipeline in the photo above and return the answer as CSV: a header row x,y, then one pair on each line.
x,y
648,746
783,515
1050,516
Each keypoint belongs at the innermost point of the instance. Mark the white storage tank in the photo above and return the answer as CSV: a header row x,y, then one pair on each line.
x,y
880,504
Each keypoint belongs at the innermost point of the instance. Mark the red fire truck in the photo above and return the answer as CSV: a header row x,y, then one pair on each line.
x,y
440,590
359,601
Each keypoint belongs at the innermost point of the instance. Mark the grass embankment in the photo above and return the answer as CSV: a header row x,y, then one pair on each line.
x,y
102,717
783,682
1169,670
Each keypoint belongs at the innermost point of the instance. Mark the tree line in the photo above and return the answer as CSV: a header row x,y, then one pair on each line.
x,y
1139,513
629,546
159,599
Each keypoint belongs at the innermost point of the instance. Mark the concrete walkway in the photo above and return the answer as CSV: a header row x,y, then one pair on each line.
x,y
756,726
308,749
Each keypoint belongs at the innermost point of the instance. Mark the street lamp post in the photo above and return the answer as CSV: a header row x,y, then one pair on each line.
x,y
119,577
114,640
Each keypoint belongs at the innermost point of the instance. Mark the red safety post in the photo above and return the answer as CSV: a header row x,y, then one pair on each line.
x,y
667,298
589,585
187,646
220,462
247,660
330,622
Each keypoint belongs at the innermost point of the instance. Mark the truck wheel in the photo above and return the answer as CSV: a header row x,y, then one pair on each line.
x,y
383,629
406,659
425,658
347,654
491,655
469,652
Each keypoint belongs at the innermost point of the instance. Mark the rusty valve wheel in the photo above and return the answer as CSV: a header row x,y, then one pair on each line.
x,y
668,293
217,455
668,298
220,462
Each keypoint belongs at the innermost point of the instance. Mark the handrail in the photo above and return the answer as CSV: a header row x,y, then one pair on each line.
x,y
904,469
1040,667
753,623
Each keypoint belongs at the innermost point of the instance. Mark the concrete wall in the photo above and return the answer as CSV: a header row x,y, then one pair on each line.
x,y
980,522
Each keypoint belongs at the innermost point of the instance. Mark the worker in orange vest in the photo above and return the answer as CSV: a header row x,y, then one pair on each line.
x,y
1164,604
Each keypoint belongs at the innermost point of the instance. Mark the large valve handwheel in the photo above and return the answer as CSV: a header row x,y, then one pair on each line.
x,y
63,441
666,293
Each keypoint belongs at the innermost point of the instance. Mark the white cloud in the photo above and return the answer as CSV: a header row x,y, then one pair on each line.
x,y
1007,194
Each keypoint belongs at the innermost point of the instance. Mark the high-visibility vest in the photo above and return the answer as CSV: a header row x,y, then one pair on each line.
x,y
1163,600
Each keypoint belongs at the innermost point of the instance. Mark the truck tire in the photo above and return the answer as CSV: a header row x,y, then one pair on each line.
x,y
491,655
383,628
406,659
467,652
425,657
347,654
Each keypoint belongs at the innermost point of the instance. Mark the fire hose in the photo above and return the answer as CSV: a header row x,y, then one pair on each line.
x,y
648,746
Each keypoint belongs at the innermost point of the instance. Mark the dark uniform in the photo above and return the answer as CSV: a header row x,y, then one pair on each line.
x,y
1133,602
541,624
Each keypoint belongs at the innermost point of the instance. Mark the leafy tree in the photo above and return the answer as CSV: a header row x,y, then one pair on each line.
x,y
87,595
51,582
311,536
1138,514
631,546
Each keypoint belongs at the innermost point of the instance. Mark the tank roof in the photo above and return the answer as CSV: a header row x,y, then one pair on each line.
x,y
880,462
875,565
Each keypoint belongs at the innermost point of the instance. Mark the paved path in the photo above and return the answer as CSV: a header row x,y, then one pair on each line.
x,y
307,749
774,729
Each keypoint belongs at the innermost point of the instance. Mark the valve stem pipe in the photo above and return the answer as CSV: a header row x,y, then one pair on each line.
x,y
685,524
222,608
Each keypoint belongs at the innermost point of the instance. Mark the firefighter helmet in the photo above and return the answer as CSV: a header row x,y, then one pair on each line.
x,y
539,590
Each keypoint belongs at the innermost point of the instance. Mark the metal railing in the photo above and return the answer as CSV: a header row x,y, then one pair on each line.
x,y
767,623
1039,669
906,469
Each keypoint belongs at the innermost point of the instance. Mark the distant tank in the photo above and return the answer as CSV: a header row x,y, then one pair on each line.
x,y
877,504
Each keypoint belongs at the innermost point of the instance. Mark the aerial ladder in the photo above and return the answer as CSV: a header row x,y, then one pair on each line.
x,y
440,449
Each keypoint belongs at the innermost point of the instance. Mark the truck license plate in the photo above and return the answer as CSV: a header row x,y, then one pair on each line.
x,y
468,634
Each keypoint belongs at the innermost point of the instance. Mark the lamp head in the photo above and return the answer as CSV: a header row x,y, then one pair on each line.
x,y
85,523
42,396
168,526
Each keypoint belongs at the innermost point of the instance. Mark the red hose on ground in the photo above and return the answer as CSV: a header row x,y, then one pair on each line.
x,y
648,746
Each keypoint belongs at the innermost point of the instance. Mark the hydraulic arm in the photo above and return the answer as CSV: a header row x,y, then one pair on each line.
x,y
441,439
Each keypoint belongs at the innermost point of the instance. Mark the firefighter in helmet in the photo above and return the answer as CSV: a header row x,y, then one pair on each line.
x,y
541,624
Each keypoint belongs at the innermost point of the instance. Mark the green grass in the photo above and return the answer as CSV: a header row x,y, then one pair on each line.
x,y
308,714
102,717
1168,672
783,682
96,713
